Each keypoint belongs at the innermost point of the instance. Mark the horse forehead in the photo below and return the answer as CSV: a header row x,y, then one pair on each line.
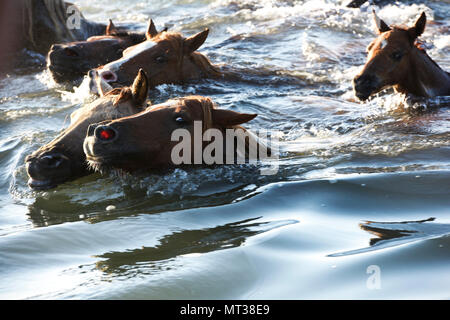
x,y
176,106
102,108
139,48
383,43
131,53
101,38
389,42
397,38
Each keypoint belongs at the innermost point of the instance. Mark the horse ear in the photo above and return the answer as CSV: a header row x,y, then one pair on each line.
x,y
228,118
380,24
419,26
194,42
139,89
111,28
151,30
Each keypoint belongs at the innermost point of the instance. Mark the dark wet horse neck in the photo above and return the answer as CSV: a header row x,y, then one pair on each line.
x,y
45,22
425,78
197,66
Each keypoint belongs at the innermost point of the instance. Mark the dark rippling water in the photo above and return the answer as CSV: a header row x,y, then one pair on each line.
x,y
360,187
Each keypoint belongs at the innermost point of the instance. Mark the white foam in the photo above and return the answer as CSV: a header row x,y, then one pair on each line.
x,y
80,94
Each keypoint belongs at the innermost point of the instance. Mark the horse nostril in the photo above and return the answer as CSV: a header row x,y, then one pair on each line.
x,y
52,160
105,133
357,80
108,76
70,52
55,47
363,81
91,130
92,73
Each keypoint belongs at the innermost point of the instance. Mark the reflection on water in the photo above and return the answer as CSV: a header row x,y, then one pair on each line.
x,y
391,234
148,260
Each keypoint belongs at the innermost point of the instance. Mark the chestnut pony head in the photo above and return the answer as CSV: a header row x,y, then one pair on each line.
x,y
70,62
144,140
389,59
63,158
166,58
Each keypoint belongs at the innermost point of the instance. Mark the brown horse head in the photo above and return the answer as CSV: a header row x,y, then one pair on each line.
x,y
166,58
63,158
395,59
71,61
143,141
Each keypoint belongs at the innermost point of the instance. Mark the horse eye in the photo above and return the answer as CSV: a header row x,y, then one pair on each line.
x,y
397,55
160,59
180,120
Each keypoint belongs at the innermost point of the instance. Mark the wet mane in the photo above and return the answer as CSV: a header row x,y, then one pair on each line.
x,y
418,46
122,95
399,27
205,65
135,37
57,13
207,106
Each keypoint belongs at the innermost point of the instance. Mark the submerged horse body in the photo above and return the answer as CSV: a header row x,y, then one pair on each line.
x,y
63,158
166,57
396,60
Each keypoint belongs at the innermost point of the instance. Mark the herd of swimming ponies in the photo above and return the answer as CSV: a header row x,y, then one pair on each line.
x,y
125,131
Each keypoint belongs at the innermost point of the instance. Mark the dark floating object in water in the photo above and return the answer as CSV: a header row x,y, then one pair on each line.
x,y
391,234
359,3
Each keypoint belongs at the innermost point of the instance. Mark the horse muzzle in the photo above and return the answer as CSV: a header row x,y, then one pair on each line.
x,y
365,85
97,84
65,63
47,170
